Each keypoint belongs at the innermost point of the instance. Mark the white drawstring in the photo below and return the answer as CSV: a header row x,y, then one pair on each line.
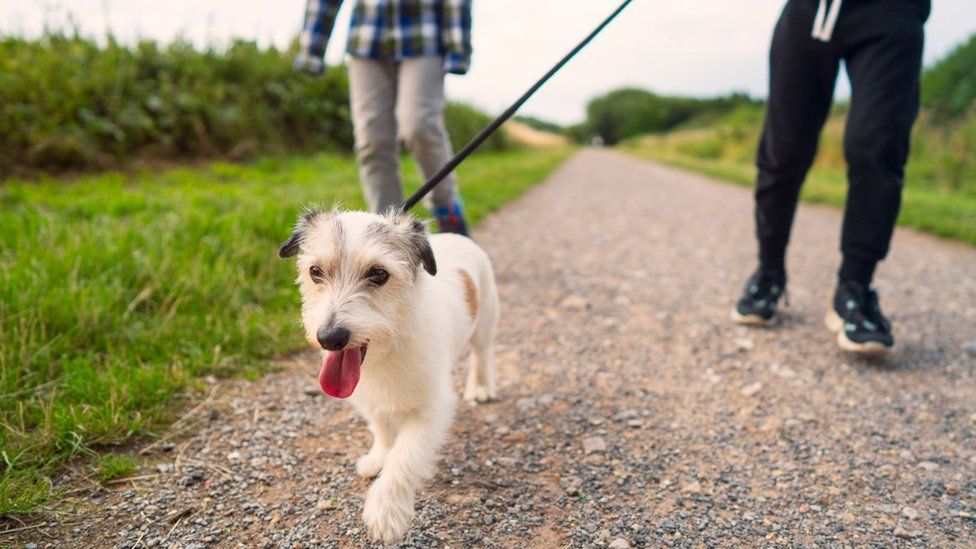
x,y
823,22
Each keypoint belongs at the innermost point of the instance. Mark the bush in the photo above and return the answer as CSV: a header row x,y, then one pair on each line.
x,y
67,102
628,112
541,125
949,86
463,124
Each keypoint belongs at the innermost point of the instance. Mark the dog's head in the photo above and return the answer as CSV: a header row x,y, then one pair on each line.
x,y
356,272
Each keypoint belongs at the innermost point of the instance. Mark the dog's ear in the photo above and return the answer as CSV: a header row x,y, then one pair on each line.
x,y
418,242
421,244
293,245
290,247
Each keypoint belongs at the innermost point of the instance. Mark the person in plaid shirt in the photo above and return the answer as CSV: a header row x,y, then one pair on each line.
x,y
399,52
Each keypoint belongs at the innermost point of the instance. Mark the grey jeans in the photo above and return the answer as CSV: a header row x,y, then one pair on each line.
x,y
393,100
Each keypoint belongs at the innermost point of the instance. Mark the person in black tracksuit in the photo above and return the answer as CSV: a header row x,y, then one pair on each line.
x,y
880,43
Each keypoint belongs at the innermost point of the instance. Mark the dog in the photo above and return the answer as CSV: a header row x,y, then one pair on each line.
x,y
393,308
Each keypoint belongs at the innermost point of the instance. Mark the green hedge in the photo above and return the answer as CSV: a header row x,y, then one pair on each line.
x,y
68,102
628,112
949,86
464,122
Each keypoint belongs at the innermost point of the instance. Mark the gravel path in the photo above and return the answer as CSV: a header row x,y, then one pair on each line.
x,y
632,412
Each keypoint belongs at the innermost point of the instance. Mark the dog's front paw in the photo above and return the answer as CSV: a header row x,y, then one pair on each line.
x,y
369,465
387,513
479,393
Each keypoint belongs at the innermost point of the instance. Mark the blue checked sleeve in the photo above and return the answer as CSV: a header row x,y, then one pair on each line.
x,y
456,36
320,17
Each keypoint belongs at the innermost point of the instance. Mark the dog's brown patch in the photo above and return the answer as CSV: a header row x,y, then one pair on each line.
x,y
470,293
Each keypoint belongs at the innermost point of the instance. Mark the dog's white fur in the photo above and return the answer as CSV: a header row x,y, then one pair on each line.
x,y
416,326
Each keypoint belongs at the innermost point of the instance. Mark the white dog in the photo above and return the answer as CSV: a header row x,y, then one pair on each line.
x,y
390,332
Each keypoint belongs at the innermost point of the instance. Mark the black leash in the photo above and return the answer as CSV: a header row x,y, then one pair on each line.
x,y
493,127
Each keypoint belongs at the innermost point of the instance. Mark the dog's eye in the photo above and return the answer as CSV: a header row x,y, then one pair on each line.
x,y
377,276
316,273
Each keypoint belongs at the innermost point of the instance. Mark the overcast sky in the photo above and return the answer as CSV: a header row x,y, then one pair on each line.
x,y
704,47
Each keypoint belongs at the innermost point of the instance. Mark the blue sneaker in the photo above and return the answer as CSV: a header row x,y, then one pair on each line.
x,y
450,219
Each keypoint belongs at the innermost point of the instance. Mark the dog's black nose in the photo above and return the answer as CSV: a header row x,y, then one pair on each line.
x,y
333,339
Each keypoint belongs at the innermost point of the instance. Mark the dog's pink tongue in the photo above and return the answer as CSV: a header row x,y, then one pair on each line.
x,y
340,372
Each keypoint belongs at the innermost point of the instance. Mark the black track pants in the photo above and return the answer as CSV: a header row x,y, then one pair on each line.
x,y
880,42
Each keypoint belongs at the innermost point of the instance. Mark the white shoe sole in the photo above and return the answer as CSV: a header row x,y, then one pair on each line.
x,y
836,324
750,320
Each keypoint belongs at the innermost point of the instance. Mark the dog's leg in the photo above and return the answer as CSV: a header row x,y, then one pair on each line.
x,y
411,461
369,465
480,386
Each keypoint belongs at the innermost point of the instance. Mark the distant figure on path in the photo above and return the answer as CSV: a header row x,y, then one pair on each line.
x,y
399,52
880,43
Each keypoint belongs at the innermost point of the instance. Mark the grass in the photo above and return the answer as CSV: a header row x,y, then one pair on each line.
x,y
118,292
935,200
112,466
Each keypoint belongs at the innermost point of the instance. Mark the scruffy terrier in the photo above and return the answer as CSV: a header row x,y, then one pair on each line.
x,y
390,332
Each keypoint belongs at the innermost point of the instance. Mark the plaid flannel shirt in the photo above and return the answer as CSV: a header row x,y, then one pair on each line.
x,y
391,29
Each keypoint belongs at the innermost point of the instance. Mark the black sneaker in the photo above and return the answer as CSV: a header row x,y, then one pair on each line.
x,y
856,318
757,306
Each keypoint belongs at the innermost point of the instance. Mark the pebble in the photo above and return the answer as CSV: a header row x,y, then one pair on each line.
x,y
693,487
619,543
594,444
575,302
928,465
743,344
629,413
786,373
910,513
572,485
904,533
970,348
751,389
